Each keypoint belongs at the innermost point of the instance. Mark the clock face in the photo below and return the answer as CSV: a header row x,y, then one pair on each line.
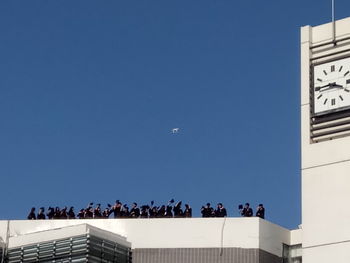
x,y
331,86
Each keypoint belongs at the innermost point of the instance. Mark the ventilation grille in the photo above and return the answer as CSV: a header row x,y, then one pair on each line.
x,y
84,248
329,127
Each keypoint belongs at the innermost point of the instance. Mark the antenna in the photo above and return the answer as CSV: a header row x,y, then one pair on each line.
x,y
333,21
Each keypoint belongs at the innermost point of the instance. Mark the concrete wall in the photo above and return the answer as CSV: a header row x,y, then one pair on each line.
x,y
329,253
296,237
325,165
203,255
246,233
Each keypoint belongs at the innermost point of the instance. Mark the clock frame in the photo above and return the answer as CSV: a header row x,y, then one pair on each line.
x,y
330,86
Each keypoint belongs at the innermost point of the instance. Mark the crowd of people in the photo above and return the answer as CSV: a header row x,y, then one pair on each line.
x,y
119,210
220,211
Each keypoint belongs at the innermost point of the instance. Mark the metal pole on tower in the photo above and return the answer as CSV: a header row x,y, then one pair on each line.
x,y
333,21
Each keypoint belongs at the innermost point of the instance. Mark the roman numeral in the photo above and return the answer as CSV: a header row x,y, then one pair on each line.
x,y
332,68
333,101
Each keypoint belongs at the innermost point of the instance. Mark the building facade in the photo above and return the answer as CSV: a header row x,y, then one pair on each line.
x,y
325,119
193,240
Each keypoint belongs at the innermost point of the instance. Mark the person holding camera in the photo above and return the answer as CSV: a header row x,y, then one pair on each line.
x,y
116,209
220,210
246,211
207,211
260,211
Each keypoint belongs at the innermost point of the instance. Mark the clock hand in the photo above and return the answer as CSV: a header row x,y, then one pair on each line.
x,y
335,85
330,86
321,87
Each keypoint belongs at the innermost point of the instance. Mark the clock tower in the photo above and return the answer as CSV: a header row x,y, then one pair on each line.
x,y
325,142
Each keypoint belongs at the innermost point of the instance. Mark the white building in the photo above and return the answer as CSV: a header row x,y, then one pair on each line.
x,y
163,240
324,235
325,120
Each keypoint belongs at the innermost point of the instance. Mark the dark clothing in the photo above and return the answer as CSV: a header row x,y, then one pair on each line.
x,y
31,215
134,212
260,212
161,211
71,214
188,212
97,213
57,214
247,212
177,210
178,213
50,213
117,210
81,214
153,211
63,214
89,213
168,212
220,212
207,211
41,216
124,212
106,213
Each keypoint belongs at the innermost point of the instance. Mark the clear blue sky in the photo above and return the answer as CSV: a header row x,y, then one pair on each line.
x,y
90,90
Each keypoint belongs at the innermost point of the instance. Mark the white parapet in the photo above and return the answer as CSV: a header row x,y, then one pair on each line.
x,y
169,233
